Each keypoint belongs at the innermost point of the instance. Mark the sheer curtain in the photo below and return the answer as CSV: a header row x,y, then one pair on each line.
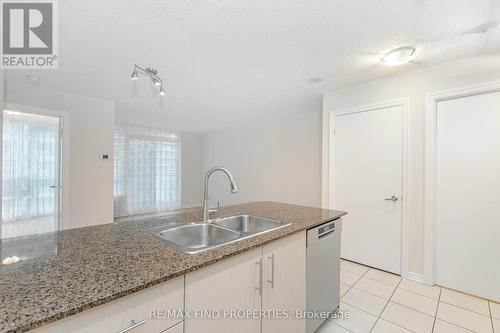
x,y
147,170
29,166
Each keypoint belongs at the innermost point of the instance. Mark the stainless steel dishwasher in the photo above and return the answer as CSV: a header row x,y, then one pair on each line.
x,y
323,272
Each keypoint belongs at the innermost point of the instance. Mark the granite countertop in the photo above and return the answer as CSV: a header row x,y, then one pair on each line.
x,y
66,272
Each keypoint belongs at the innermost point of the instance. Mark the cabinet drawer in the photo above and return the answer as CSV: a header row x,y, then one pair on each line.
x,y
117,315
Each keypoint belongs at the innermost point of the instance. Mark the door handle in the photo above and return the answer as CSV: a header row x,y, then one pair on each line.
x,y
271,258
393,198
133,325
259,288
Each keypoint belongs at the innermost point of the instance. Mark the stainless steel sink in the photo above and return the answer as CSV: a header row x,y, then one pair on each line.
x,y
194,238
197,237
248,224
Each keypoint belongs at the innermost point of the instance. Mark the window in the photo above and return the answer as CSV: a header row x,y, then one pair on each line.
x,y
147,170
30,174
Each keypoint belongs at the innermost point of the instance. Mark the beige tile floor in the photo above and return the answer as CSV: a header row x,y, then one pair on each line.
x,y
379,302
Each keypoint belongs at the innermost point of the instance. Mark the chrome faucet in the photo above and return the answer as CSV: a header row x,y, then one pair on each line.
x,y
205,187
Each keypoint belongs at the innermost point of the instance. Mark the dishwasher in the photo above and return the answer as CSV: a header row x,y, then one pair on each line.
x,y
323,273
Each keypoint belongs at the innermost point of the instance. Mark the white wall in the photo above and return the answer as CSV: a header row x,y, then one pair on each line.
x,y
415,85
90,135
191,169
276,159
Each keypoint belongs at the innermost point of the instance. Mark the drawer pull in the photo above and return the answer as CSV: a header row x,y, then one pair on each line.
x,y
271,257
259,288
132,326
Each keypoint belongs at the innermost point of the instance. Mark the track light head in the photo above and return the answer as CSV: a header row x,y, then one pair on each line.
x,y
162,91
156,81
135,74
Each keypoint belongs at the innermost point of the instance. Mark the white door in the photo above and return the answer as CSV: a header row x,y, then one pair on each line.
x,y
467,239
368,163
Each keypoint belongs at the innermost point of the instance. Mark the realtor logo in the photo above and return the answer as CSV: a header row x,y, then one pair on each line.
x,y
29,34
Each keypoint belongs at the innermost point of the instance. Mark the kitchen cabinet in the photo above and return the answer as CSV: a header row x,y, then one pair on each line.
x,y
234,295
285,282
271,278
233,284
118,315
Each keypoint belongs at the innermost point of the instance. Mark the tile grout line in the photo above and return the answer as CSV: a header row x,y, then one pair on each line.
x,y
419,294
387,284
460,307
380,315
342,327
340,298
369,278
352,286
449,322
437,308
369,293
491,317
455,324
413,292
397,325
356,307
406,306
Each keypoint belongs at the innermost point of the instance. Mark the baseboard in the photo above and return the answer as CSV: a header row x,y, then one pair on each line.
x,y
416,277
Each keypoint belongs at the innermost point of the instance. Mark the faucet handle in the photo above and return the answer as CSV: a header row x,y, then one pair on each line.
x,y
212,211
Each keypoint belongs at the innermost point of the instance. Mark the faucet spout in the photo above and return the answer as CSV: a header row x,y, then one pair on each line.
x,y
234,189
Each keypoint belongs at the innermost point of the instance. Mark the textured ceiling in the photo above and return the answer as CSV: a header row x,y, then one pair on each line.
x,y
231,61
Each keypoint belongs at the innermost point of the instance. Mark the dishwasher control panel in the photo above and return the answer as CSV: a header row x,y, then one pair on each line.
x,y
326,229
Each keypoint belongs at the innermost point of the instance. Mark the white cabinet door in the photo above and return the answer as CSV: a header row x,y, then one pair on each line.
x,y
232,284
284,278
368,184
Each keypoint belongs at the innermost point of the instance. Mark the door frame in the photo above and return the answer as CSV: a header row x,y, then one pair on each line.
x,y
329,155
64,151
430,166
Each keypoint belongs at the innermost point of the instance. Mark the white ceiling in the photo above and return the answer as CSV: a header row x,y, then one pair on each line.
x,y
230,61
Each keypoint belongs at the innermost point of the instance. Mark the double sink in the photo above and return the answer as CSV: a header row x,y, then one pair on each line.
x,y
196,237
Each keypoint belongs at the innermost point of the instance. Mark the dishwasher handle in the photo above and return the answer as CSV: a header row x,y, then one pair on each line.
x,y
321,232
326,233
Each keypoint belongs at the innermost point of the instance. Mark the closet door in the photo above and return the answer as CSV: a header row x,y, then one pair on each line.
x,y
467,231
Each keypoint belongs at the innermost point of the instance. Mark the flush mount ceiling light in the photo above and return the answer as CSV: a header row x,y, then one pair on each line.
x,y
315,80
152,74
483,28
399,56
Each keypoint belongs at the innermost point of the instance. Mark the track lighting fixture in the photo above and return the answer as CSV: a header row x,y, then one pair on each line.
x,y
152,74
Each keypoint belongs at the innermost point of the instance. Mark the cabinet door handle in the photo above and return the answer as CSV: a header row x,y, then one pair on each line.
x,y
259,263
271,258
133,325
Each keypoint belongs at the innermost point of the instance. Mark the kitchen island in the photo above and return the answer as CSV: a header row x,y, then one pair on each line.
x,y
56,275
